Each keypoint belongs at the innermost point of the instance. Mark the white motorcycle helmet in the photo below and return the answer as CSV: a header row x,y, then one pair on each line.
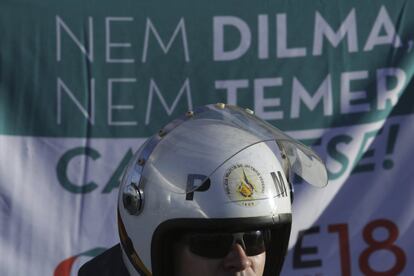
x,y
218,168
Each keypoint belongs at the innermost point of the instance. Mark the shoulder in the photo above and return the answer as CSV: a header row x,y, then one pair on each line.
x,y
108,263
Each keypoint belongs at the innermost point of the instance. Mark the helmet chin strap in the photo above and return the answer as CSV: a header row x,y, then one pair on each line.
x,y
128,248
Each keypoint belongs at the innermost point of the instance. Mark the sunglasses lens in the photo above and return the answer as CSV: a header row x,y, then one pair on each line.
x,y
218,245
213,246
254,242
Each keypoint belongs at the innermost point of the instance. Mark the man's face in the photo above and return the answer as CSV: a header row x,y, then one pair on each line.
x,y
235,262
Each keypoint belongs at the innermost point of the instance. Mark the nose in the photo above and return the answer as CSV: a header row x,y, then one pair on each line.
x,y
236,260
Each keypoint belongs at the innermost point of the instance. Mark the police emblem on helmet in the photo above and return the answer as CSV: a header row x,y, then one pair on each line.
x,y
244,185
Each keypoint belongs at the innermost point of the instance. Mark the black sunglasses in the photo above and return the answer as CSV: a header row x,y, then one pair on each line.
x,y
218,245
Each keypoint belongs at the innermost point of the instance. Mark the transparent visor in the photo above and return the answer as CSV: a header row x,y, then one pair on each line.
x,y
201,142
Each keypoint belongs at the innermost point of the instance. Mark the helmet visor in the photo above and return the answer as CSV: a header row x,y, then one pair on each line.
x,y
211,136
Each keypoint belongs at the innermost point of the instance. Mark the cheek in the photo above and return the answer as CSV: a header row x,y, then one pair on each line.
x,y
258,262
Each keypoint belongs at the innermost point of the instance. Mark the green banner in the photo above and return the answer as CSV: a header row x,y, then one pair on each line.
x,y
103,69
